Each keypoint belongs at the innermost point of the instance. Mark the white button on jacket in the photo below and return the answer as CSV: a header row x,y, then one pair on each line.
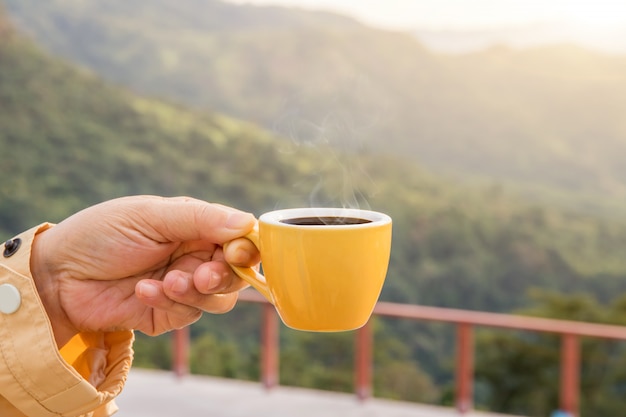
x,y
10,299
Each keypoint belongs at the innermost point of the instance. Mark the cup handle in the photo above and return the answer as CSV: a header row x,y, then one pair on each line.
x,y
250,275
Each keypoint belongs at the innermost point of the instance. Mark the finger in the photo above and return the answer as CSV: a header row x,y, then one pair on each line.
x,y
208,276
181,219
242,252
168,313
216,277
180,288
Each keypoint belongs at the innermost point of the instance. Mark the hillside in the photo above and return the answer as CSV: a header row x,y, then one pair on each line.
x,y
69,139
72,140
546,119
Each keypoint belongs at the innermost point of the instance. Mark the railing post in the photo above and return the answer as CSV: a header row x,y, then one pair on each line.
x,y
269,346
465,368
363,361
181,351
570,374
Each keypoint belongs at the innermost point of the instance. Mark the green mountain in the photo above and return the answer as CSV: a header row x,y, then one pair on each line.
x,y
68,139
545,119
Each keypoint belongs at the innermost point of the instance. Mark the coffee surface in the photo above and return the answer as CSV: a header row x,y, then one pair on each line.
x,y
325,221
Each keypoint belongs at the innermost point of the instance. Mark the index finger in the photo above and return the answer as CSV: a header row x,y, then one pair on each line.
x,y
179,219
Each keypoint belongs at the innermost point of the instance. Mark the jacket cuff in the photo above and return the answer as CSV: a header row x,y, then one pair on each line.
x,y
34,376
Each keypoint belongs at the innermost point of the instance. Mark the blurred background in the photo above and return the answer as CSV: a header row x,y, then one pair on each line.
x,y
493,132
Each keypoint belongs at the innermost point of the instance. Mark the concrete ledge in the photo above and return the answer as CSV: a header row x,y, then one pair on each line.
x,y
150,393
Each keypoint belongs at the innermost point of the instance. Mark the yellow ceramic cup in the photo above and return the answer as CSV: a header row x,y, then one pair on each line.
x,y
322,273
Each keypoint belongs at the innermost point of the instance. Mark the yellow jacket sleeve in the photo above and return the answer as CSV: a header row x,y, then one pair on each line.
x,y
38,379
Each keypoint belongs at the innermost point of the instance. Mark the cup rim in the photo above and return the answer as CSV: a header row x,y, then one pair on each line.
x,y
274,217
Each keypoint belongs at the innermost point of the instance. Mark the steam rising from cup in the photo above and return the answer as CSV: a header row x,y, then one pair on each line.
x,y
333,139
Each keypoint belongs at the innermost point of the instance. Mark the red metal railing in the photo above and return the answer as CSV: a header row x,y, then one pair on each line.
x,y
570,332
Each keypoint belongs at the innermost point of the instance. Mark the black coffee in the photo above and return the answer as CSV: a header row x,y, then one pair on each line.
x,y
325,221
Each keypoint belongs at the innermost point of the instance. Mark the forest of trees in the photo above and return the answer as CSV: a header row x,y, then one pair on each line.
x,y
69,139
548,118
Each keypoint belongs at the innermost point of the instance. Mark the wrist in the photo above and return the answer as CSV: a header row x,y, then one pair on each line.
x,y
47,284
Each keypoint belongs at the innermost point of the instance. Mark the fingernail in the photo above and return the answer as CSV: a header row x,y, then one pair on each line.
x,y
242,257
148,290
239,220
215,280
180,285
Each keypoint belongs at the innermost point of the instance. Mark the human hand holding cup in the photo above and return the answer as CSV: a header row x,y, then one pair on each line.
x,y
324,267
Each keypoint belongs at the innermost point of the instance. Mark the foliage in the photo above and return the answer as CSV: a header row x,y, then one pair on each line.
x,y
212,357
544,116
321,361
68,139
153,352
397,374
520,372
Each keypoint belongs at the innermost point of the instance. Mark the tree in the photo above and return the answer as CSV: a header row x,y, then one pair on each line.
x,y
519,371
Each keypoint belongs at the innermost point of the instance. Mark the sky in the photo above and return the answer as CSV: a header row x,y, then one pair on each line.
x,y
446,14
596,22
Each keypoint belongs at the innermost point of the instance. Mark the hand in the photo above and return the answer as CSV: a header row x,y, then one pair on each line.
x,y
146,263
